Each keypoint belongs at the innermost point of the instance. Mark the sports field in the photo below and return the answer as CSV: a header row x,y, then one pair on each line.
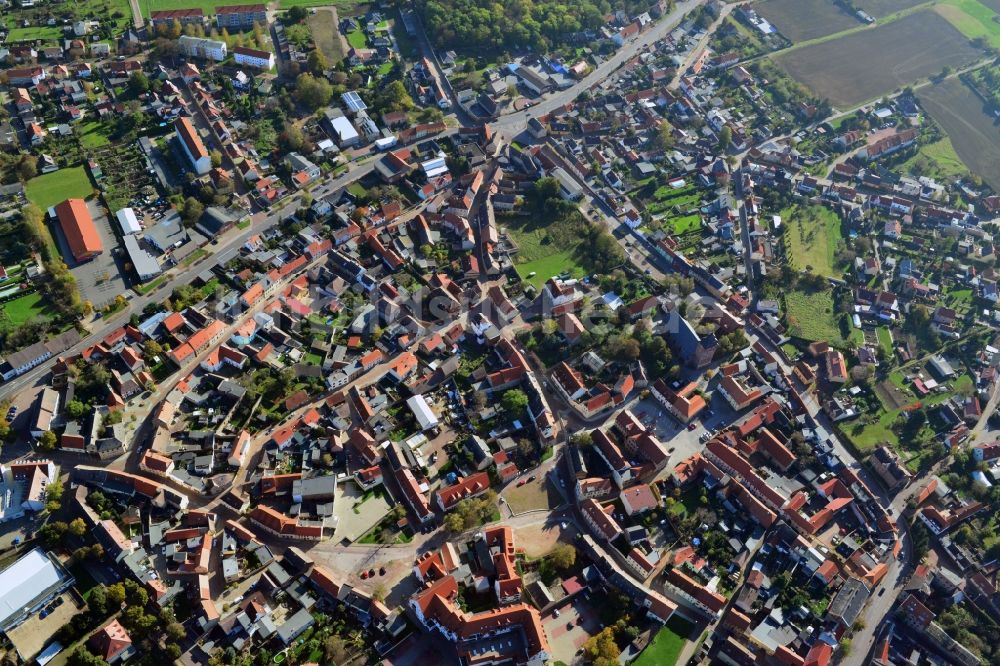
x,y
47,190
24,309
972,132
841,69
802,20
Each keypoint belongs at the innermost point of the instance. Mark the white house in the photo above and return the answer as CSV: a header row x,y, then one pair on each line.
x,y
199,47
253,57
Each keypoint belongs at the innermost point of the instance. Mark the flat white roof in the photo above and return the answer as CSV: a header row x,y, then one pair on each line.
x,y
422,411
128,221
24,581
344,129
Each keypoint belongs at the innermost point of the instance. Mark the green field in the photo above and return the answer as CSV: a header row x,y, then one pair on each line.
x,y
684,223
811,316
549,266
546,248
937,160
811,236
44,33
667,645
25,308
884,340
52,188
972,18
93,134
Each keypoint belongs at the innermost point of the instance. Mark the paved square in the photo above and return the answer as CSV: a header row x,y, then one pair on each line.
x,y
354,517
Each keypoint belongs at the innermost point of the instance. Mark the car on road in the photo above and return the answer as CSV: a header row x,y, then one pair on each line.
x,y
532,477
692,426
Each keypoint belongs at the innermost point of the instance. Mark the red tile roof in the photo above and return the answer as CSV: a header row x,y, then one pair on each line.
x,y
78,227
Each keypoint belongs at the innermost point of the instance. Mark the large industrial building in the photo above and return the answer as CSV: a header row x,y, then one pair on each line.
x,y
28,584
79,230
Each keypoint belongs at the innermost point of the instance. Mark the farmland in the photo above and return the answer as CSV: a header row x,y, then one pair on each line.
x,y
803,20
52,188
811,235
972,18
841,69
960,113
880,8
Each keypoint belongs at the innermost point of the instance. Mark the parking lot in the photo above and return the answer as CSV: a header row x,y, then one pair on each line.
x,y
30,637
576,623
100,279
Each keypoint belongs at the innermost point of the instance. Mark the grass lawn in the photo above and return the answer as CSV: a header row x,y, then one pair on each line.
x,y
811,235
545,248
549,266
357,39
47,190
884,340
684,224
940,161
25,308
666,198
811,316
667,645
972,18
93,135
150,286
45,33
313,359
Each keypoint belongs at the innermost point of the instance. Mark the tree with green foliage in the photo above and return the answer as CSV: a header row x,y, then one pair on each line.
x,y
83,657
562,556
312,92
51,534
47,442
317,62
514,403
601,649
75,409
138,84
77,527
725,138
